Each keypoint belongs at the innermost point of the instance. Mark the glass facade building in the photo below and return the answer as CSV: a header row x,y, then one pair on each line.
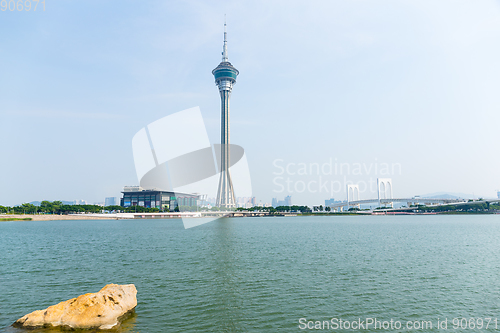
x,y
162,200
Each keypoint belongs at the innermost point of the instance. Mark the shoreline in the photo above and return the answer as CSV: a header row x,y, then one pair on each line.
x,y
49,217
140,216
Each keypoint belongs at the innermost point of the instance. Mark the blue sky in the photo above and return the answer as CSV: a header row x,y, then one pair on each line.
x,y
411,83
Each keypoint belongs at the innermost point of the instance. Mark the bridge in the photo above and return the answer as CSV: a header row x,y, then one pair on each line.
x,y
385,198
384,202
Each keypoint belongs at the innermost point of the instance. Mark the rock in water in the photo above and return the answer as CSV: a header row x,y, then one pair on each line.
x,y
99,310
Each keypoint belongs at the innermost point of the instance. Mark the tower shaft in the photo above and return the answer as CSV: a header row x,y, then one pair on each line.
x,y
225,77
225,193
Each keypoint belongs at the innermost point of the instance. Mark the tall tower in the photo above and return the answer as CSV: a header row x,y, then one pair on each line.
x,y
225,76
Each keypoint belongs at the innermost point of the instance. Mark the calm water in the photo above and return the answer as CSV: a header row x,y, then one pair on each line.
x,y
260,274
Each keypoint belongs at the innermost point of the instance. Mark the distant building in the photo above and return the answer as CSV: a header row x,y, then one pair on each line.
x,y
110,201
245,202
498,194
80,202
163,200
209,202
287,202
204,201
331,202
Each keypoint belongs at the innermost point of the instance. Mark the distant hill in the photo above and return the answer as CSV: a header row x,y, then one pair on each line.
x,y
447,195
38,203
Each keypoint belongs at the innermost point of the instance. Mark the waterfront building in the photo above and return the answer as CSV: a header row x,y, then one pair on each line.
x,y
288,200
163,200
225,77
190,201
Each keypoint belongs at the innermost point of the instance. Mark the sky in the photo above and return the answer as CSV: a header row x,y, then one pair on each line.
x,y
329,93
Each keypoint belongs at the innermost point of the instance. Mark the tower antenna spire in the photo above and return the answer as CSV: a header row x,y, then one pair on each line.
x,y
224,49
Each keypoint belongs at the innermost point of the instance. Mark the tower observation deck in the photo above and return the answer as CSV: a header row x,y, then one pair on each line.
x,y
225,77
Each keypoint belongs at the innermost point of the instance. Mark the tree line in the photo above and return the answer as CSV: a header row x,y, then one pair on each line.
x,y
472,207
279,209
469,207
57,207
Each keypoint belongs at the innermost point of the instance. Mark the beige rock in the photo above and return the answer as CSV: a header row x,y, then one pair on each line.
x,y
101,310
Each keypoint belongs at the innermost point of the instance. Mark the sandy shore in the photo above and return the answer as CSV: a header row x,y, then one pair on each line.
x,y
59,217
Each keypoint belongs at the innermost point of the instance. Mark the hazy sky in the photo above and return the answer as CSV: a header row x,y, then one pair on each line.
x,y
412,85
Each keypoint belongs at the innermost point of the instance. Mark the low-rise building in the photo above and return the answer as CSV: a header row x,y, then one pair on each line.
x,y
163,200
